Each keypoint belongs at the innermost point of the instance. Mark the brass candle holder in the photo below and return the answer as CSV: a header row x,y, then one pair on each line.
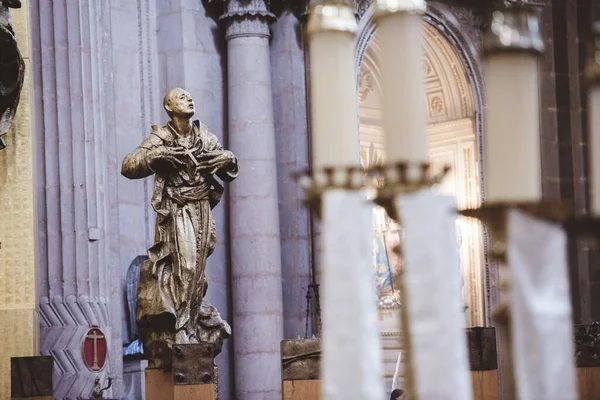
x,y
392,180
316,182
495,217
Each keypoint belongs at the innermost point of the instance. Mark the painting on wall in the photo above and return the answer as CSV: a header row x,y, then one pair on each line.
x,y
387,263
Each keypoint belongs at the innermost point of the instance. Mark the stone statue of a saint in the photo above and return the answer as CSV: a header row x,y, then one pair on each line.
x,y
187,160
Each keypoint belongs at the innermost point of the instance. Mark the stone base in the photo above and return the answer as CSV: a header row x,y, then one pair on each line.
x,y
589,383
485,385
31,377
193,375
160,386
301,390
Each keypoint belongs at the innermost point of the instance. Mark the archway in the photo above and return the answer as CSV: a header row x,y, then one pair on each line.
x,y
453,129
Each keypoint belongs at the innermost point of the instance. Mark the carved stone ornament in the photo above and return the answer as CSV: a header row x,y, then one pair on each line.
x,y
12,69
188,161
587,345
365,84
247,18
300,359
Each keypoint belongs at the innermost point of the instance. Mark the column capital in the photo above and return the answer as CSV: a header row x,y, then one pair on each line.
x,y
247,18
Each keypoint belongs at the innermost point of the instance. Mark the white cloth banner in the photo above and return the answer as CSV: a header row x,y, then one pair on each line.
x,y
352,364
542,330
432,297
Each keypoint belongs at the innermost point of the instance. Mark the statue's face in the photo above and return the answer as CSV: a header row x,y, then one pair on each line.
x,y
180,103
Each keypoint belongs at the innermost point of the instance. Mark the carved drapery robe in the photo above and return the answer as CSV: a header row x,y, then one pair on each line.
x,y
172,281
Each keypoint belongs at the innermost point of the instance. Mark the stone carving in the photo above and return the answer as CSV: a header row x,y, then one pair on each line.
x,y
300,359
587,345
437,105
362,6
186,159
472,23
12,69
365,84
247,18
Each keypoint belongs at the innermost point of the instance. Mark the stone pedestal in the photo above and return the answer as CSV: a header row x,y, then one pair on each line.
x,y
160,386
193,376
301,368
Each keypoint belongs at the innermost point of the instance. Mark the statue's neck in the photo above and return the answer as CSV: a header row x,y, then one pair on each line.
x,y
182,126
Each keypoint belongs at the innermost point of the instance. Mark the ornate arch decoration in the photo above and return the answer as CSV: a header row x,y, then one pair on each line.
x,y
463,83
464,49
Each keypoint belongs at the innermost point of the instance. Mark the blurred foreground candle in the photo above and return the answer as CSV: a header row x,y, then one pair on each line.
x,y
334,110
352,365
400,29
512,142
593,74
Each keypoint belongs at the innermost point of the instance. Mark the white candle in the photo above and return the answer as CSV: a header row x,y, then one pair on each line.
x,y
512,140
594,120
404,106
334,110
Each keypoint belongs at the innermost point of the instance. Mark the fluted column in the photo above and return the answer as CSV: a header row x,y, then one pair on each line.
x,y
255,235
76,178
291,137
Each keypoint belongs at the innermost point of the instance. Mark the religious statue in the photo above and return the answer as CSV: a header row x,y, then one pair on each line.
x,y
187,160
12,69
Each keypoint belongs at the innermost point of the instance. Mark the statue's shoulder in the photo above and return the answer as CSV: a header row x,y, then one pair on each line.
x,y
160,135
203,129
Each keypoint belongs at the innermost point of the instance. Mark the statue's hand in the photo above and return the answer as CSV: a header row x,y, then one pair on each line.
x,y
162,157
212,162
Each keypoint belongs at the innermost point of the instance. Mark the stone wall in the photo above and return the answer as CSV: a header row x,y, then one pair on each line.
x,y
19,327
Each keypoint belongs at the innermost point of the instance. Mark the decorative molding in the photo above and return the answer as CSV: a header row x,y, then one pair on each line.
x,y
64,325
247,18
587,345
79,279
365,84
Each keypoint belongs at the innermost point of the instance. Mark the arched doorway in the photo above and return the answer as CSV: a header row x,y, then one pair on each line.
x,y
453,132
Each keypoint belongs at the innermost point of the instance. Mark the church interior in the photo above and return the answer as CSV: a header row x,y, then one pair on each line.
x,y
300,199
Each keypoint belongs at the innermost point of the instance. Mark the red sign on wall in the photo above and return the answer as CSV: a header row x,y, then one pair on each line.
x,y
94,350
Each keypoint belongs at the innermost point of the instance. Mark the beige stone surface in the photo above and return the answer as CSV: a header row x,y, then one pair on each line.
x,y
19,327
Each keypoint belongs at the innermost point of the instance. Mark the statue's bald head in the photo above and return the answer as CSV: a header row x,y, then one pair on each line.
x,y
179,102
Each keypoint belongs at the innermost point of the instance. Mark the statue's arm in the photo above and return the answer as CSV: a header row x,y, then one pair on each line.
x,y
136,165
231,170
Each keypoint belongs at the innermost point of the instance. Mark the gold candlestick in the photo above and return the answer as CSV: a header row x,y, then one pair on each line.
x,y
394,179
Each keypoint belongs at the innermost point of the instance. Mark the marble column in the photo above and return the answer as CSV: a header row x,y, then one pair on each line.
x,y
77,217
291,138
254,223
